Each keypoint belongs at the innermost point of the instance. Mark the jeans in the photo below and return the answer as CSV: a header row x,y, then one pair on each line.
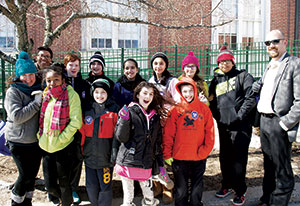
x,y
27,158
57,171
99,186
183,172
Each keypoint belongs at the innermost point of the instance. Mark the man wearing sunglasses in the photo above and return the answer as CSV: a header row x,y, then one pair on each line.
x,y
279,106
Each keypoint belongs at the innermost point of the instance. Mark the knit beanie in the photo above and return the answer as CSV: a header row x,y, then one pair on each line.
x,y
24,65
225,54
100,83
161,55
190,59
97,57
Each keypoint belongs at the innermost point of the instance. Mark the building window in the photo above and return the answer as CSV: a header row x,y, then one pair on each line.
x,y
247,41
128,43
7,42
101,43
228,39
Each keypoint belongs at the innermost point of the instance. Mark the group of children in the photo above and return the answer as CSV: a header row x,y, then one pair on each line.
x,y
132,126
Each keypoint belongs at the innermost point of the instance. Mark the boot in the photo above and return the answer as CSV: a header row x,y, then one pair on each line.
x,y
157,188
167,197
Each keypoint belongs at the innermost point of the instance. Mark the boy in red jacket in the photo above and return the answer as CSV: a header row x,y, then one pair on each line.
x,y
187,141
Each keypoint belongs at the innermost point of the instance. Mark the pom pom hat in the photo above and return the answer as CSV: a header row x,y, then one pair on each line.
x,y
100,83
161,55
24,65
190,59
225,54
97,57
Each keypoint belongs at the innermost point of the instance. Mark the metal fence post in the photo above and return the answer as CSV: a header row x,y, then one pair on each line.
x,y
208,64
3,87
247,58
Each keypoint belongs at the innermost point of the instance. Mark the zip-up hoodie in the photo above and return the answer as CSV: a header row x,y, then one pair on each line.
x,y
189,130
232,101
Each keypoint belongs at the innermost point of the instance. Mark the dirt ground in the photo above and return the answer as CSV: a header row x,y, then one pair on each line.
x,y
212,178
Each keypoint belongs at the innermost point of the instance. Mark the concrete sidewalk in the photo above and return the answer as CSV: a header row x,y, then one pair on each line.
x,y
209,199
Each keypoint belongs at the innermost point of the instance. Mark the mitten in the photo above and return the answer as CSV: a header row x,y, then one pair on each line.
x,y
37,96
169,161
124,113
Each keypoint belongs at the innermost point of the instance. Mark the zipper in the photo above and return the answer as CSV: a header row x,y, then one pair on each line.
x,y
101,125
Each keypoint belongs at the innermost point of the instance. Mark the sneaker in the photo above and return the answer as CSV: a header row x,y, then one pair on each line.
x,y
238,200
76,198
223,193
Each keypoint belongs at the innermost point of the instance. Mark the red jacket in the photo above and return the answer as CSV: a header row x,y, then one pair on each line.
x,y
189,130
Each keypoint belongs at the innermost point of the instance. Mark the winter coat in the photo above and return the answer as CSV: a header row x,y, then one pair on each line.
x,y
98,134
124,89
92,78
82,87
140,138
189,130
168,91
22,116
232,100
55,141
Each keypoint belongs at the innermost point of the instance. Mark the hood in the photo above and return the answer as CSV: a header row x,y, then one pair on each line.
x,y
188,80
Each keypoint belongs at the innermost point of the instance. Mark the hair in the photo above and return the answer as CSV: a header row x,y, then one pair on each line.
x,y
44,48
199,82
165,76
57,68
130,59
158,101
184,84
70,57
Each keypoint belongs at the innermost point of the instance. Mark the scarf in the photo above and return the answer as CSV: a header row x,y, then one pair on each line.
x,y
60,116
128,84
25,88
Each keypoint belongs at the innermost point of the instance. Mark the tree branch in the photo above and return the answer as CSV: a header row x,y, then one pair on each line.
x,y
7,58
210,13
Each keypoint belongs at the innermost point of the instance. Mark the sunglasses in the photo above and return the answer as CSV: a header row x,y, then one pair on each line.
x,y
274,42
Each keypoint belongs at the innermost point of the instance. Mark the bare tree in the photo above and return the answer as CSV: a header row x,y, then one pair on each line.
x,y
135,11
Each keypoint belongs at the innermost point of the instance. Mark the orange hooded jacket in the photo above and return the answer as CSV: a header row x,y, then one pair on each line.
x,y
189,130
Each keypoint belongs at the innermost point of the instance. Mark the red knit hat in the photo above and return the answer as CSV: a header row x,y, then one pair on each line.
x,y
225,54
190,59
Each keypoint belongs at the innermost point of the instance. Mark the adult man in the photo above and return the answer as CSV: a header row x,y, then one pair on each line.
x,y
231,104
279,106
43,58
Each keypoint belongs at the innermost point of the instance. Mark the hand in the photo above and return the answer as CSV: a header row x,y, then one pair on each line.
x,y
202,97
169,161
256,86
124,113
37,96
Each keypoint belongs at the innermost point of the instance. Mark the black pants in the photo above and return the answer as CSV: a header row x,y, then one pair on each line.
x,y
234,147
183,171
278,182
28,159
57,171
77,162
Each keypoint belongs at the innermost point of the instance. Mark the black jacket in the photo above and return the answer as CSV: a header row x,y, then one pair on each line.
x,y
233,101
140,145
97,134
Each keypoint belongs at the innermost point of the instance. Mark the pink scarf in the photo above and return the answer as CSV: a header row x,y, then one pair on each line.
x,y
60,116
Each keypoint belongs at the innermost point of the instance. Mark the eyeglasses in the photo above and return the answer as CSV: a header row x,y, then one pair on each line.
x,y
274,42
225,61
45,56
190,67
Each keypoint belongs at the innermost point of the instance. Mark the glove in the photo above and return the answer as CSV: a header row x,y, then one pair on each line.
x,y
124,113
202,97
169,161
37,96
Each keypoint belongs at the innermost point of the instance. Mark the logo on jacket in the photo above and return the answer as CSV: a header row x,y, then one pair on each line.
x,y
194,115
88,119
188,121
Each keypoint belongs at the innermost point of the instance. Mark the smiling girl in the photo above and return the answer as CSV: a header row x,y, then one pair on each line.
x,y
139,131
22,104
123,89
60,118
